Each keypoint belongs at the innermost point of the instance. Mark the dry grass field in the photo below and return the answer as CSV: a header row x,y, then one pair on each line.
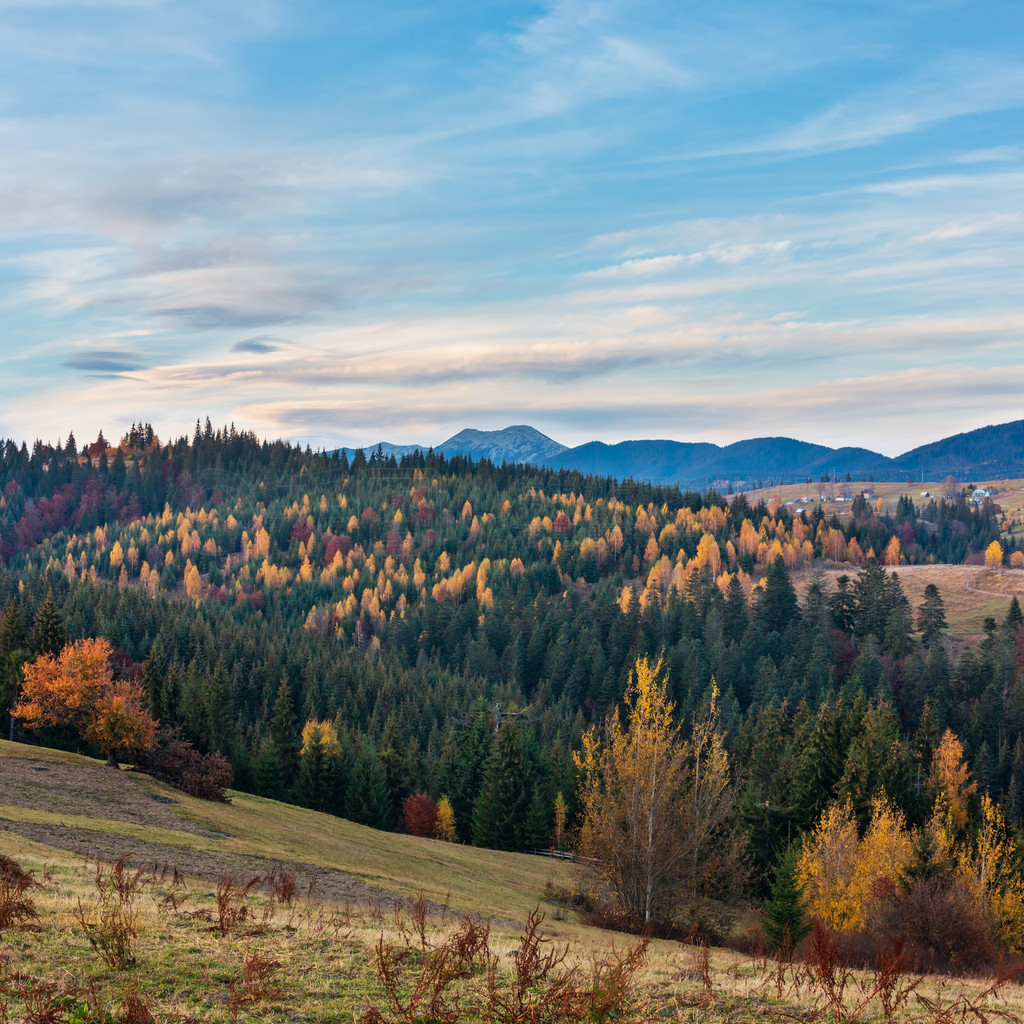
x,y
970,593
1009,496
197,949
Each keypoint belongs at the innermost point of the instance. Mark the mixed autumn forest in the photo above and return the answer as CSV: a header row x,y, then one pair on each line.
x,y
441,646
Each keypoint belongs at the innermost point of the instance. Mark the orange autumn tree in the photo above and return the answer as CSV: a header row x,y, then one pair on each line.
x,y
78,688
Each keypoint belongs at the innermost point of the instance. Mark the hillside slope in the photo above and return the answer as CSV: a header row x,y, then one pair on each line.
x,y
71,802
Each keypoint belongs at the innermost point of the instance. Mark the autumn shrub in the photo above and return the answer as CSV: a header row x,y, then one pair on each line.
x,y
945,924
257,984
282,885
175,761
231,906
419,813
16,906
544,986
136,1007
111,923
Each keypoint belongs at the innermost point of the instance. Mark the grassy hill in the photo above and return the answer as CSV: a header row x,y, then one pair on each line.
x,y
355,945
72,802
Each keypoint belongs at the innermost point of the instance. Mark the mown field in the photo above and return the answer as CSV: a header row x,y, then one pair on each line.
x,y
373,924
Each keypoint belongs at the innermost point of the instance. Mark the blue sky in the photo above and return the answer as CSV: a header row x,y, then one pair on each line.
x,y
609,220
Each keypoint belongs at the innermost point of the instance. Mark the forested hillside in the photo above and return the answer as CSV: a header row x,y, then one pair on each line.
x,y
353,632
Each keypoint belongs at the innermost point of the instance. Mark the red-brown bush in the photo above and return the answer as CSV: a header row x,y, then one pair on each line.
x,y
419,813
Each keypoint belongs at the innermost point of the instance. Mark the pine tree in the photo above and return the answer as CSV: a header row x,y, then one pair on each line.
x,y
535,828
786,921
777,607
1014,615
367,800
12,631
267,773
13,653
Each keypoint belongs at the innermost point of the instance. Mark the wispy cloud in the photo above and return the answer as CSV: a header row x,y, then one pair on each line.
x,y
603,217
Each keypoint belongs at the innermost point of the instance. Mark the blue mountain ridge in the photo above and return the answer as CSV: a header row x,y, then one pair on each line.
x,y
986,453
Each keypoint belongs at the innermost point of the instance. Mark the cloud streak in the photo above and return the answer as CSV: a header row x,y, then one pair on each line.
x,y
609,219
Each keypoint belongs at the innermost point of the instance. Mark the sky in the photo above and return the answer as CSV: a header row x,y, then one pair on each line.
x,y
340,223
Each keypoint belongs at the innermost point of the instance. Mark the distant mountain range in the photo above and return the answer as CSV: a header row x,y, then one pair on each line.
x,y
987,453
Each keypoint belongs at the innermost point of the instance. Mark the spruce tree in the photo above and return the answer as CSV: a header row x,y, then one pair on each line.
x,y
931,615
12,631
367,800
777,606
49,630
267,773
284,731
13,652
500,811
1014,616
785,922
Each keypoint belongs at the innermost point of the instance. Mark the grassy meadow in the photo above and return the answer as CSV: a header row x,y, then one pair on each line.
x,y
196,948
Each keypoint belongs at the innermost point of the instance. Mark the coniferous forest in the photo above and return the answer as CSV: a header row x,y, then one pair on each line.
x,y
351,634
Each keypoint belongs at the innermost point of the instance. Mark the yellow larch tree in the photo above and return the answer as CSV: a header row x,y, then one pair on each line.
x,y
950,782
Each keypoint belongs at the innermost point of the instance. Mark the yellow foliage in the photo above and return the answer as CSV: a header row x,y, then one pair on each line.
x,y
988,866
631,791
321,734
994,554
826,868
193,584
844,875
950,782
892,554
444,825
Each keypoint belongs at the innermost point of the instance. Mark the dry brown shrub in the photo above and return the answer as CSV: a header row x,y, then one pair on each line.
x,y
135,1007
231,905
282,885
16,906
111,925
944,923
543,987
257,984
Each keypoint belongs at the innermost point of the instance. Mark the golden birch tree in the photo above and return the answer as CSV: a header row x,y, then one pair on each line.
x,y
632,782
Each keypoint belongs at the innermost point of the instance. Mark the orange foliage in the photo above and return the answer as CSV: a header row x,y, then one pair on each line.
x,y
78,688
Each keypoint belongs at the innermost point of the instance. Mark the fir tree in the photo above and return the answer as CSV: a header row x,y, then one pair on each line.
x,y
267,773
1014,615
367,800
931,615
777,607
